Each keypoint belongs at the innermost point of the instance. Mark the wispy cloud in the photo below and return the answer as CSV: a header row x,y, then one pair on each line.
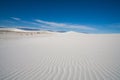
x,y
15,18
64,25
48,25
15,22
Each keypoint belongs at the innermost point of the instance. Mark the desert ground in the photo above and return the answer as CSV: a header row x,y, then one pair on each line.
x,y
45,55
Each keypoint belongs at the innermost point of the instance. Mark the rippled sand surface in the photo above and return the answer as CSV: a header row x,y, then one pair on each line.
x,y
59,56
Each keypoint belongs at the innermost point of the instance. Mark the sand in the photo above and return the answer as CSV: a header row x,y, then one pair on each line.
x,y
59,56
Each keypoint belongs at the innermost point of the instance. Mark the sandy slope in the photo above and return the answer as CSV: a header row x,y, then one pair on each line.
x,y
60,56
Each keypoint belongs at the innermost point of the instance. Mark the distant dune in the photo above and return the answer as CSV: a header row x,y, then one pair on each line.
x,y
48,55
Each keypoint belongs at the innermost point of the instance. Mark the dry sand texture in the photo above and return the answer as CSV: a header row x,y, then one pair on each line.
x,y
59,56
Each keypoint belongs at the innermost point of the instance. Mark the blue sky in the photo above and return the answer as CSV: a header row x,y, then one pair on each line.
x,y
92,16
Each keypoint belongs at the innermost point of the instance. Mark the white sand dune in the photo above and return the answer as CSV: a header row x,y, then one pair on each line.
x,y
59,56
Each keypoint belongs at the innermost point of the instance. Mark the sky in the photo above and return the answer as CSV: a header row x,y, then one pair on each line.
x,y
90,16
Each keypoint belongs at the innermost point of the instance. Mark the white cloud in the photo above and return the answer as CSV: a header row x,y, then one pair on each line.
x,y
15,18
50,23
47,25
63,25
